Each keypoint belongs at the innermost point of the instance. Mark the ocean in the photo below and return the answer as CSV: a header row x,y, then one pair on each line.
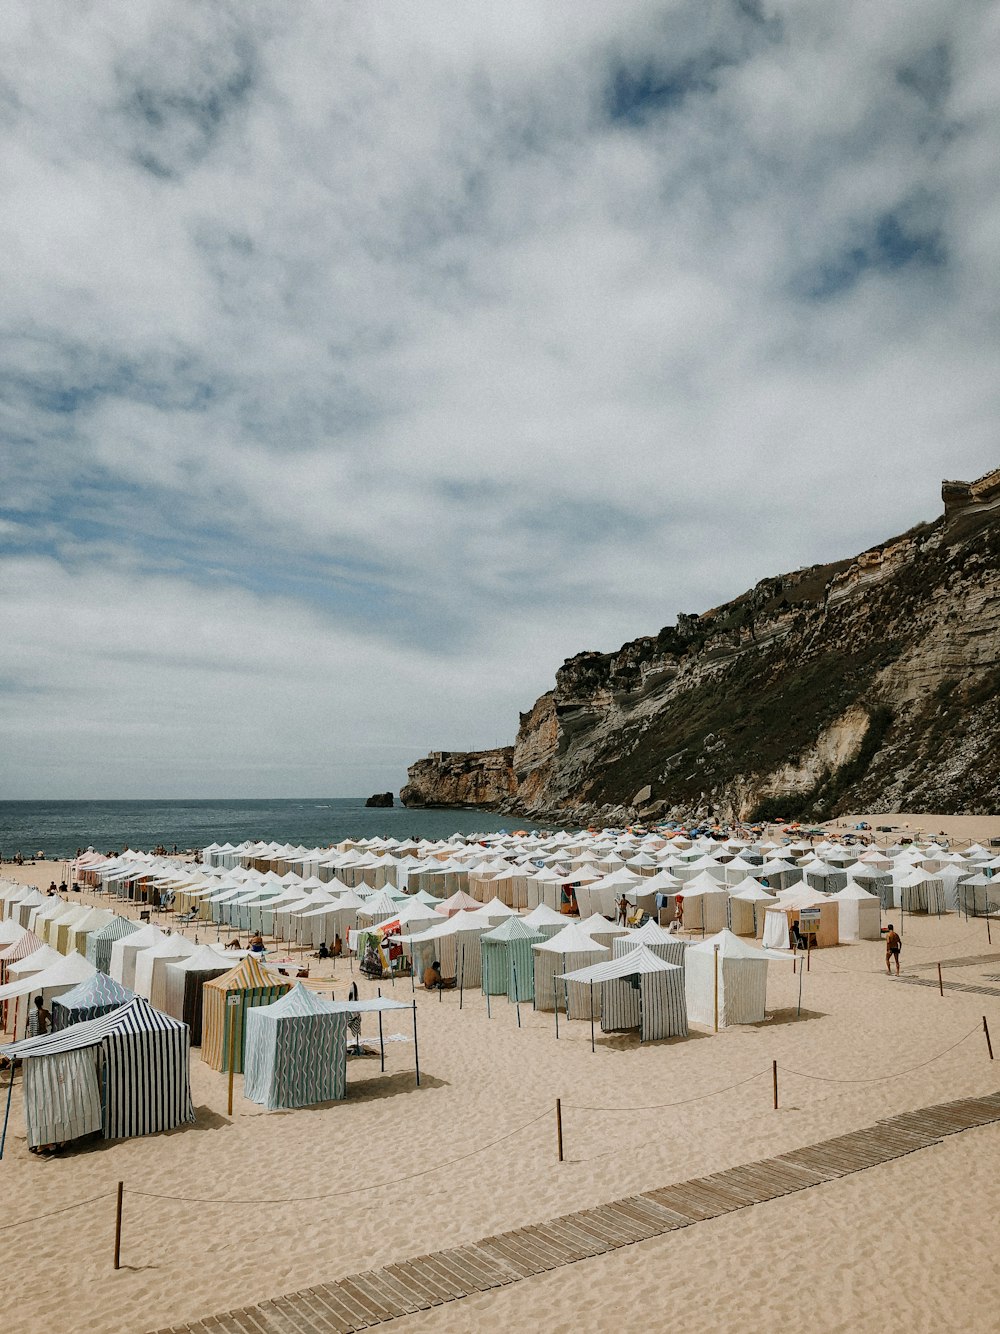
x,y
59,828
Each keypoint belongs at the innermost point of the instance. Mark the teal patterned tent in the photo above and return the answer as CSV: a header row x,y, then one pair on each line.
x,y
99,942
508,963
295,1051
95,996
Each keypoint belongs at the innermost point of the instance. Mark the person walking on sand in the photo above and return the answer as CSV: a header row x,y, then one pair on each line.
x,y
893,945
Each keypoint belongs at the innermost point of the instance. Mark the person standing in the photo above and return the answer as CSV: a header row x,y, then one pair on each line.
x,y
893,945
40,1020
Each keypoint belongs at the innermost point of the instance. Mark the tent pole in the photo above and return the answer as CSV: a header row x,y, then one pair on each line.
x,y
6,1115
592,1046
555,1007
461,980
486,982
381,1044
517,995
715,990
416,1053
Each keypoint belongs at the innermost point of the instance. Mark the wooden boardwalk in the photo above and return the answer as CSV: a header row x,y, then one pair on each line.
x,y
974,987
377,1295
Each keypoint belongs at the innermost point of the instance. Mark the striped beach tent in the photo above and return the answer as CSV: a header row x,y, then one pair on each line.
x,y
553,957
123,1074
508,963
638,990
25,906
246,985
295,1051
76,936
185,980
656,938
26,943
97,995
99,942
740,971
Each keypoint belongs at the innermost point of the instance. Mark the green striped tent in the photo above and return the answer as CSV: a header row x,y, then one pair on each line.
x,y
296,1051
508,963
99,942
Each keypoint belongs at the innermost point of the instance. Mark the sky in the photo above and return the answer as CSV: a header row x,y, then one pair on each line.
x,y
359,363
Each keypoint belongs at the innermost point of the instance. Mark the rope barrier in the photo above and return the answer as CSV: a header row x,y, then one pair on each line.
x,y
655,1107
21,1222
875,1079
328,1195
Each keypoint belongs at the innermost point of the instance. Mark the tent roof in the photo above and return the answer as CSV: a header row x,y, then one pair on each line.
x,y
137,1016
543,915
203,958
97,990
69,969
512,928
248,975
853,891
295,1003
638,960
732,947
572,939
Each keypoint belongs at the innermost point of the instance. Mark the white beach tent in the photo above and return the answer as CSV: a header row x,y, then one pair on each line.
x,y
663,943
740,972
150,968
638,989
544,919
860,913
59,977
571,947
919,891
125,951
706,903
748,903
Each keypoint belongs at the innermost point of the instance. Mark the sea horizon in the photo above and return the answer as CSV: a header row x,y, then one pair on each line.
x,y
59,827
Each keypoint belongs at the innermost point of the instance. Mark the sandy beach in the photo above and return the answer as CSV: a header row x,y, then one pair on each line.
x,y
267,1203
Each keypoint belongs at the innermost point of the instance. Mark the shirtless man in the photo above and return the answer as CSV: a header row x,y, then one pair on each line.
x,y
893,944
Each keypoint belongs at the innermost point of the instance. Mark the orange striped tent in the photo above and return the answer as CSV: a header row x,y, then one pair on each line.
x,y
248,984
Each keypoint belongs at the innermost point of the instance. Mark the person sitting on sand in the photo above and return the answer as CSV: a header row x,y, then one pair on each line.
x,y
323,952
257,943
337,948
433,979
893,945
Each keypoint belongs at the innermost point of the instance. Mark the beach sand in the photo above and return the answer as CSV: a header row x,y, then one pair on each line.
x,y
395,1171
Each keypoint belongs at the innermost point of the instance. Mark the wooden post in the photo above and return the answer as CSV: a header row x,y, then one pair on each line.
x,y
232,1002
559,1138
381,1044
989,1044
716,990
809,941
416,1052
774,1077
940,981
118,1225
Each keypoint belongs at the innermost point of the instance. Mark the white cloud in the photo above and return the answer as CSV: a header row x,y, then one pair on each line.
x,y
378,313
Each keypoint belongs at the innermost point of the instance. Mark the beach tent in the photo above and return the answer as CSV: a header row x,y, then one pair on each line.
x,y
741,972
124,1074
508,965
638,990
663,943
296,1051
919,891
99,942
571,948
747,905
59,927
454,942
246,985
544,919
183,988
600,929
76,936
860,913
125,951
58,977
97,995
777,932
150,967
25,906
875,880
706,903
26,943
978,894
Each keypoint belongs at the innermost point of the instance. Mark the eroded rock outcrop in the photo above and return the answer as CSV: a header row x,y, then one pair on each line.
x,y
872,682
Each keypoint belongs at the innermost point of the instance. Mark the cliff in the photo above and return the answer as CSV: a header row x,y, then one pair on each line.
x,y
868,683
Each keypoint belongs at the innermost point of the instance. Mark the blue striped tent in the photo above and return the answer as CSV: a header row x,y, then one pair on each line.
x,y
99,942
97,995
125,1074
295,1051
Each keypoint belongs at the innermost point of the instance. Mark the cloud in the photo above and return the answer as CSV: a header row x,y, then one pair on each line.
x,y
467,341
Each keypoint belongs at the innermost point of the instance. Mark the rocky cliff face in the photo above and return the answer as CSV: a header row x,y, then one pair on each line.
x,y
869,683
